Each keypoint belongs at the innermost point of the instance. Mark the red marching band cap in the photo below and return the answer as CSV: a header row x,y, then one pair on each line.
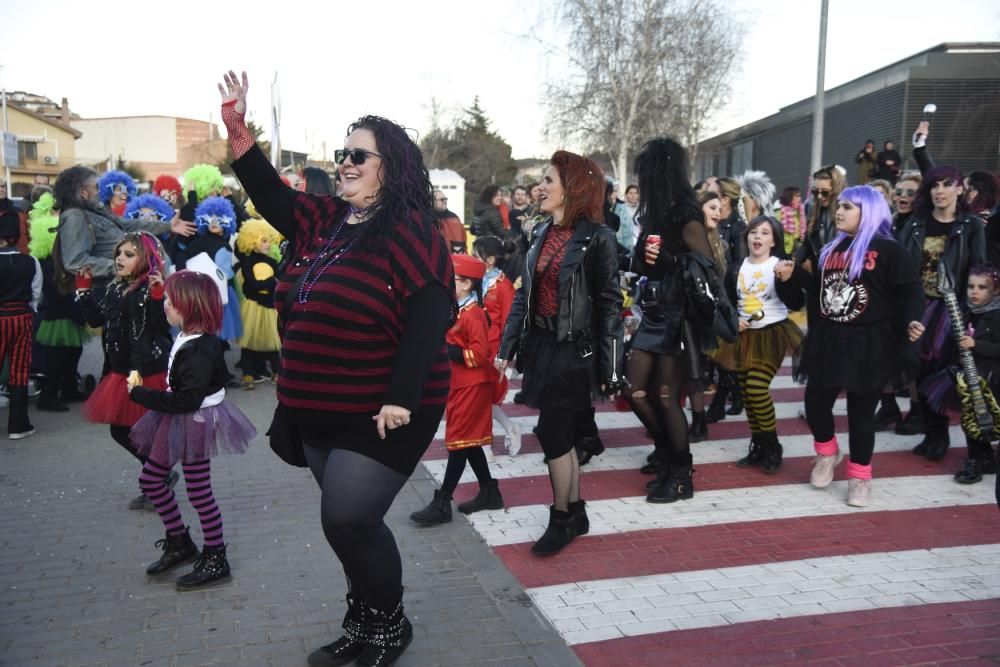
x,y
469,266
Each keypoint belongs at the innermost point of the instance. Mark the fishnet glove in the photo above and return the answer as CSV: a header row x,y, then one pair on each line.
x,y
240,138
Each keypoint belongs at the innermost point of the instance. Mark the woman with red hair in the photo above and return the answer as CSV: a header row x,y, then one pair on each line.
x,y
565,328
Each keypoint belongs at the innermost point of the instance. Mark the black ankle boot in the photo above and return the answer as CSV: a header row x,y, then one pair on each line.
x,y
212,568
560,532
755,454
581,522
389,633
698,431
888,414
18,424
914,422
972,470
488,498
937,449
772,453
437,511
177,549
717,408
349,646
737,405
677,485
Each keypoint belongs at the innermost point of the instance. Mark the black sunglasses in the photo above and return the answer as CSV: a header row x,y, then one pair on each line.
x,y
357,155
821,193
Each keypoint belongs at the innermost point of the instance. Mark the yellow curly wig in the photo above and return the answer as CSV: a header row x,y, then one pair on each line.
x,y
252,231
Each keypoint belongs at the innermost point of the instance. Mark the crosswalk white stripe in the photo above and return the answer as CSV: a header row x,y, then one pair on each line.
x,y
592,611
621,515
711,451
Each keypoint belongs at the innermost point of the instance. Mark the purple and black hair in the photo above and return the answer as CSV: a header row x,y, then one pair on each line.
x,y
923,203
876,220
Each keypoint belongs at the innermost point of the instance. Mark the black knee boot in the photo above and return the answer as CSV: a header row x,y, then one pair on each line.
x,y
349,646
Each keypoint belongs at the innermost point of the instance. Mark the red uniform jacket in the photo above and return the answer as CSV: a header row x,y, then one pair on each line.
x,y
470,333
497,301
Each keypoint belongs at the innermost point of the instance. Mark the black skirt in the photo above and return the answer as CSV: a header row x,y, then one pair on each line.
x,y
557,375
659,331
860,358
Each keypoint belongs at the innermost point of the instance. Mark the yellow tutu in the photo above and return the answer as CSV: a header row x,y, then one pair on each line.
x,y
260,327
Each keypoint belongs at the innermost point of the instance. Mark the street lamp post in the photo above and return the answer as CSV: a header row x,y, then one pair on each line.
x,y
816,156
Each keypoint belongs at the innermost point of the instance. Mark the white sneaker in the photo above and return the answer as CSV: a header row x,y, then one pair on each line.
x,y
822,472
22,434
859,492
513,439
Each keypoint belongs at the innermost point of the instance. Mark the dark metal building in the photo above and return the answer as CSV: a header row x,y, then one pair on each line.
x,y
962,79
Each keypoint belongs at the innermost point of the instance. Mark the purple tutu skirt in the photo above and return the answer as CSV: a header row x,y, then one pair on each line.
x,y
193,436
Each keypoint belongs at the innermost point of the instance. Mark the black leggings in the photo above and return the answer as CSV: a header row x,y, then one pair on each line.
x,y
860,418
654,386
60,370
476,457
356,494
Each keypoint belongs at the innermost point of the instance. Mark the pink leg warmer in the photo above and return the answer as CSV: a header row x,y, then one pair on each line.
x,y
828,448
858,471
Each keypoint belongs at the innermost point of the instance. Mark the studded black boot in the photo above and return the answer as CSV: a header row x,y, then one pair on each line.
x,y
581,522
437,511
350,645
389,633
211,569
678,484
488,498
177,549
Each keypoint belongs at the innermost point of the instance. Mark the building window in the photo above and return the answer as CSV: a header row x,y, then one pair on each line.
x,y
27,151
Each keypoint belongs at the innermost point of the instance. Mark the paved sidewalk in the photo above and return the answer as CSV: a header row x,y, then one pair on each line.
x,y
73,590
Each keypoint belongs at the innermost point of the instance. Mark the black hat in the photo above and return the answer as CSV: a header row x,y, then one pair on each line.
x,y
10,225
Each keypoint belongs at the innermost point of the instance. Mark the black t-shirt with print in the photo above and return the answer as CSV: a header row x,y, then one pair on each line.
x,y
872,296
935,239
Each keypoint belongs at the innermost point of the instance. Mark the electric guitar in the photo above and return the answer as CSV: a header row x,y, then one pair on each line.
x,y
980,411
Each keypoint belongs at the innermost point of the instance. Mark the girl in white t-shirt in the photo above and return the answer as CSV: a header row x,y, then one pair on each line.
x,y
766,336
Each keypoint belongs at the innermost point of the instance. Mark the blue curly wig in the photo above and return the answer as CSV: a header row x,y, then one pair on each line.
x,y
221,210
163,211
113,180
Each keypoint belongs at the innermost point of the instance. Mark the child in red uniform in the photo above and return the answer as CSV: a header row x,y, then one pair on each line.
x,y
498,296
468,416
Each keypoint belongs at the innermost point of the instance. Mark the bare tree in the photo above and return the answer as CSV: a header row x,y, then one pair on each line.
x,y
641,68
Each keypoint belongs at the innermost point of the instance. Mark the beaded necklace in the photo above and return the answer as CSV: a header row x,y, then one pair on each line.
x,y
320,264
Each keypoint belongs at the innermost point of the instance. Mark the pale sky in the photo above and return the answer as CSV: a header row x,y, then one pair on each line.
x,y
337,61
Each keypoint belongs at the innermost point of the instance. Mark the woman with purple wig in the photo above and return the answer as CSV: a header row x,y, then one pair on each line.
x,y
869,305
364,306
940,233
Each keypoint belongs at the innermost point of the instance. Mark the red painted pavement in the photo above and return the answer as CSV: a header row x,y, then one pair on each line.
x,y
668,550
961,633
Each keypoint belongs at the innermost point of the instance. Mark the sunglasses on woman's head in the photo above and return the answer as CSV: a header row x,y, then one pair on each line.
x,y
357,155
908,192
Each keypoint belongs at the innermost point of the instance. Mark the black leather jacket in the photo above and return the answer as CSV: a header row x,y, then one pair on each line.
x,y
590,301
965,247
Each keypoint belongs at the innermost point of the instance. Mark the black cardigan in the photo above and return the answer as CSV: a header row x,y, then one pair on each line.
x,y
198,370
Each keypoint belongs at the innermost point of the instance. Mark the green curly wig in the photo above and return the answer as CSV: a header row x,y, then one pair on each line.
x,y
43,224
204,179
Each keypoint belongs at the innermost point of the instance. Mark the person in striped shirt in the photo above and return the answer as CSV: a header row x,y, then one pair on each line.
x,y
364,306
